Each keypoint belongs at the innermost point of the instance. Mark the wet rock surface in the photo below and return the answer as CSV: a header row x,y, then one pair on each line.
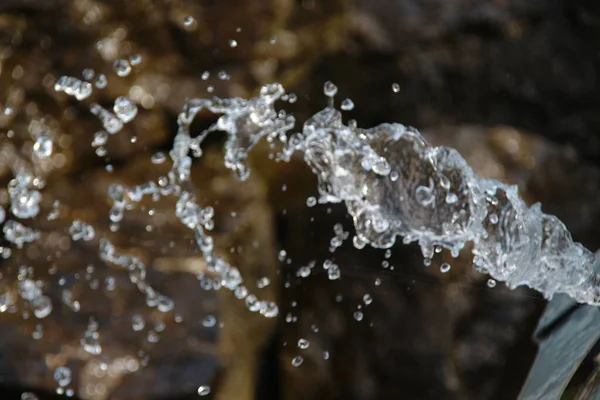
x,y
474,75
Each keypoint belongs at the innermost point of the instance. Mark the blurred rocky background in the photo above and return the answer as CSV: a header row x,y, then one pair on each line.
x,y
512,84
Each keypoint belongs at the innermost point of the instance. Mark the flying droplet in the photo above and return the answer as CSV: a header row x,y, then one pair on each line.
x,y
445,268
101,81
329,89
122,67
395,87
347,105
125,109
188,21
358,315
204,390
297,361
158,158
135,59
62,376
43,146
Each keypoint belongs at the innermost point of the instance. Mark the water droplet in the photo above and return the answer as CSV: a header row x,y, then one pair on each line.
x,y
347,105
297,361
188,21
329,89
204,390
491,283
88,74
91,339
367,299
358,315
79,230
101,81
333,272
263,282
43,146
303,344
28,396
445,268
395,87
42,307
493,218
125,109
135,59
451,198
62,376
137,322
233,43
158,158
209,321
311,201
122,67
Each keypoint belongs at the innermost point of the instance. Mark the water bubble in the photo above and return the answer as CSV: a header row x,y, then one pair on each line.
x,y
491,283
204,390
329,89
303,344
424,195
347,105
62,376
445,267
395,87
125,109
122,67
297,361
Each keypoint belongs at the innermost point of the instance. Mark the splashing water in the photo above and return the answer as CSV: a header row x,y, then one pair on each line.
x,y
395,184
